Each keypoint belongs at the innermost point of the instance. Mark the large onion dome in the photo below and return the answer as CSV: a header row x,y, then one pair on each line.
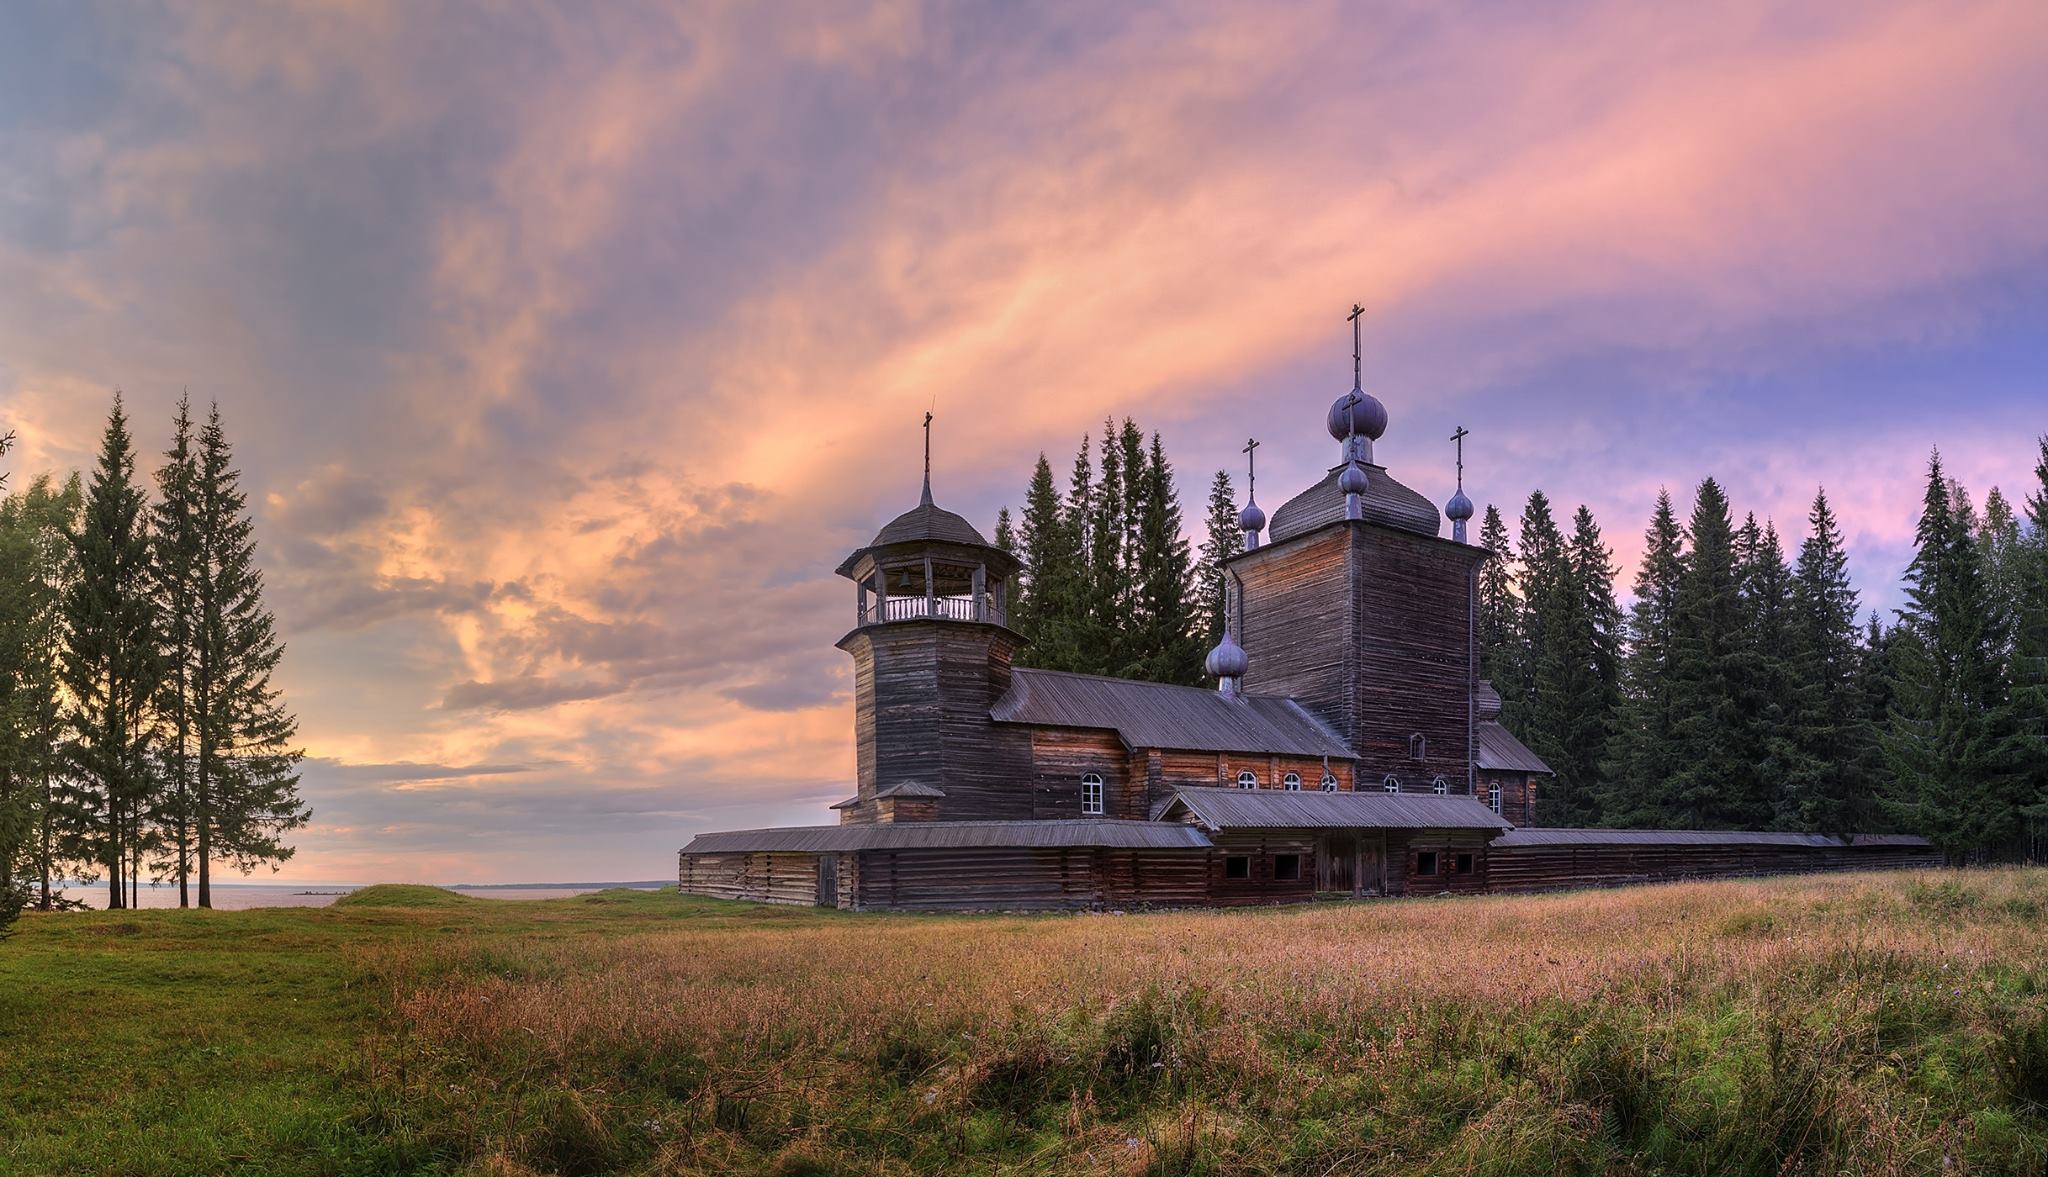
x,y
1357,412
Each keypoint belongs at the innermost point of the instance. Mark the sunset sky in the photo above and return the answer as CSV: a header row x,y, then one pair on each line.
x,y
566,349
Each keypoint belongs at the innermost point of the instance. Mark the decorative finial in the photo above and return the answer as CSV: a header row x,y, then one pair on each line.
x,y
1357,352
927,500
1251,520
1459,509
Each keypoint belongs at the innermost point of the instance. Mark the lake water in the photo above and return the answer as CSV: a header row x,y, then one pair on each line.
x,y
242,896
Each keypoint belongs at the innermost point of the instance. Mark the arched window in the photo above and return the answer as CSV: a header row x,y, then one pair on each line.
x,y
1441,786
1247,779
1529,801
1329,783
1493,797
1393,783
1291,782
1418,748
1091,793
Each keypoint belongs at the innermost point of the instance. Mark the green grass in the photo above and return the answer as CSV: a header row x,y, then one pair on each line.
x,y
1863,1024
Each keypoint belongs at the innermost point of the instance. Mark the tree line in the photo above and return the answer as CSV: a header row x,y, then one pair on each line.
x,y
141,736
1743,688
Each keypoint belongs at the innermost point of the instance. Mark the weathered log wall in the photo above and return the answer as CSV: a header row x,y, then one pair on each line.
x,y
1556,868
1029,879
762,877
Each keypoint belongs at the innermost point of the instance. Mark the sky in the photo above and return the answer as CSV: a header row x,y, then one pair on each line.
x,y
566,349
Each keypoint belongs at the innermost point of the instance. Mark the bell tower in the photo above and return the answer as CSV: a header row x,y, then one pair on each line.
x,y
932,650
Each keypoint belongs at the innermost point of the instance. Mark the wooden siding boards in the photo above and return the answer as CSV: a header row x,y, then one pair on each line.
x,y
1059,759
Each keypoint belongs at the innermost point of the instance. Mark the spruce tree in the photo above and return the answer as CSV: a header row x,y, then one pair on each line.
x,y
14,654
1950,737
1499,610
1537,581
1766,701
1577,701
1708,767
1222,541
1108,631
36,525
1048,568
176,540
1998,550
2027,661
1172,651
1826,782
1640,764
109,667
245,784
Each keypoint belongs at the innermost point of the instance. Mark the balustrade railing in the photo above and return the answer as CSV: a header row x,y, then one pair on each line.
x,y
935,608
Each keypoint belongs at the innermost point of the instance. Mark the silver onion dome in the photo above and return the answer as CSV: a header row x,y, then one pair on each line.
x,y
1252,518
1459,508
1227,660
1357,411
1353,480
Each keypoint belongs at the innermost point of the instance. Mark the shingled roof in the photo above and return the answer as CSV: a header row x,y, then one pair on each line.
x,y
1156,715
1582,837
1108,833
1385,502
1500,751
1278,809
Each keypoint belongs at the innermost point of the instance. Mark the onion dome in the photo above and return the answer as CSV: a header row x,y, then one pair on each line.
x,y
1352,480
1252,518
1359,412
1227,660
1459,508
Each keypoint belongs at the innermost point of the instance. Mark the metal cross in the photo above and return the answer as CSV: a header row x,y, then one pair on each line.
x,y
1251,461
1460,437
927,456
1357,370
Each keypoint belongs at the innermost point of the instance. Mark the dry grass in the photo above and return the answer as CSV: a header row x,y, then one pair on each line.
x,y
1875,1023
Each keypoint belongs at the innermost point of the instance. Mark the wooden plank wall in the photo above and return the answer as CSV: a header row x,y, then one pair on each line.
x,y
1299,630
1412,667
1404,849
1059,758
761,877
1557,868
1261,847
1029,879
1517,799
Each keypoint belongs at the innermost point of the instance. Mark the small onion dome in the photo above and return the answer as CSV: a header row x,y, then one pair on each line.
x,y
1459,508
1227,660
1357,410
1353,480
1252,518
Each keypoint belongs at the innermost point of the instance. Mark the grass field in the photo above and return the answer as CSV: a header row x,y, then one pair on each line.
x,y
1873,1023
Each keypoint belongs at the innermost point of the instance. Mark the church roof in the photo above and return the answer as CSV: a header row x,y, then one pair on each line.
x,y
1157,715
1276,809
928,522
1385,501
1560,837
1500,751
1109,833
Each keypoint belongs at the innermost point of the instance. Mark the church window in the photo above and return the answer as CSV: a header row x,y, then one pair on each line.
x,y
1461,864
1287,867
1425,862
1291,782
1418,748
1091,793
1393,783
1329,783
1237,866
1441,786
1493,797
1247,779
1529,800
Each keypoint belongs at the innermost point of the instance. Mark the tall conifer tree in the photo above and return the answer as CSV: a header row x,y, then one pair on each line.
x,y
245,784
1222,540
1827,780
1767,700
1708,767
37,525
2028,661
1172,652
109,667
1640,764
1499,610
1950,737
176,540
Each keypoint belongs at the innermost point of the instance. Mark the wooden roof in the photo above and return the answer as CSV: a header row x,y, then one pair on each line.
x,y
1500,751
1109,833
1157,715
1278,809
1385,502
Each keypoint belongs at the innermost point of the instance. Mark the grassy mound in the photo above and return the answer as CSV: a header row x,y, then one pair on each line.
x,y
404,895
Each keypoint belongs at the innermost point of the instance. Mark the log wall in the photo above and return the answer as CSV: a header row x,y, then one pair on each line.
x,y
1029,879
762,877
1557,868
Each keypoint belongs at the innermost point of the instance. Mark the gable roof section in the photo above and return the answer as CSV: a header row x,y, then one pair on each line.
x,y
1385,502
1157,715
1107,833
1500,751
1275,809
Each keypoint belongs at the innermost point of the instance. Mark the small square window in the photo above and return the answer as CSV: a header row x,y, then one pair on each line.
x,y
1462,864
1425,862
1287,867
1237,866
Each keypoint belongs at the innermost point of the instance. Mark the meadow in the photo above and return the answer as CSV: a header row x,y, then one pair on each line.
x,y
1847,1024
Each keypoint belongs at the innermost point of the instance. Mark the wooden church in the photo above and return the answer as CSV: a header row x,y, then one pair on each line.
x,y
1349,749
